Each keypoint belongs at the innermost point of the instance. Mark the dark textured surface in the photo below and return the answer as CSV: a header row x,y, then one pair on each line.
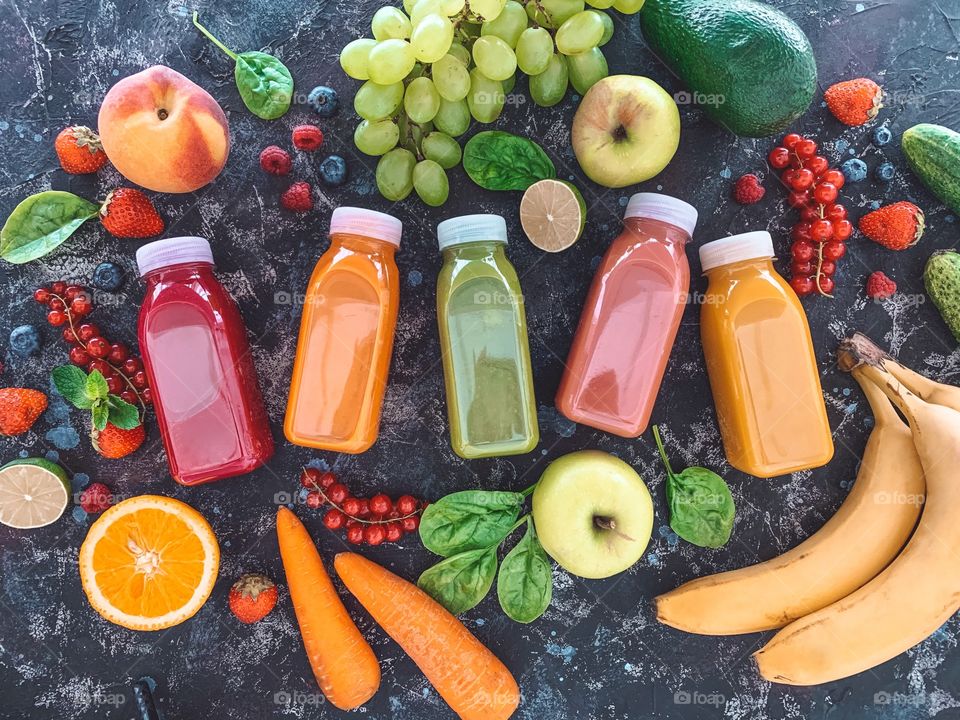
x,y
598,653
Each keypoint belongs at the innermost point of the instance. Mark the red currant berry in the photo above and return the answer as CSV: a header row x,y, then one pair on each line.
x,y
800,231
334,519
802,251
411,523
834,250
380,504
834,177
98,347
805,149
804,267
314,499
842,229
71,291
79,356
309,478
825,193
810,214
393,515
351,506
364,510
139,380
70,336
821,230
118,353
41,295
394,532
338,493
798,200
115,385
818,165
828,268
129,396
779,158
101,366
791,139
406,504
131,366
57,304
836,212
327,480
146,395
87,331
351,522
826,285
374,534
801,285
58,288
801,180
56,317
355,535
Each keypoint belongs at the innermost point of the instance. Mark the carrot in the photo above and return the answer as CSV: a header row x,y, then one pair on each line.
x,y
343,663
475,684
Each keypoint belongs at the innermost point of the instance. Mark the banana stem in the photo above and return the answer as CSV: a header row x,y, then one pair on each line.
x,y
883,412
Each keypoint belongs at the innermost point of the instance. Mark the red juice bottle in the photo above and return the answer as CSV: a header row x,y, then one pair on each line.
x,y
202,379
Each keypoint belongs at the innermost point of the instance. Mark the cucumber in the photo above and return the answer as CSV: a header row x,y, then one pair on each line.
x,y
933,153
941,277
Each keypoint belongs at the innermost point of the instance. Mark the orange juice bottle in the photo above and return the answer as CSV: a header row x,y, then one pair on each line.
x,y
346,335
760,360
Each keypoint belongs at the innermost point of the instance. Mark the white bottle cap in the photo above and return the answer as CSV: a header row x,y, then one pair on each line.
x,y
735,248
367,223
471,228
663,207
173,251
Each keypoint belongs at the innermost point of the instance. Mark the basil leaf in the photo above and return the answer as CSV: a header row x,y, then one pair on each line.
x,y
265,84
41,223
122,414
497,160
525,580
462,581
71,382
469,520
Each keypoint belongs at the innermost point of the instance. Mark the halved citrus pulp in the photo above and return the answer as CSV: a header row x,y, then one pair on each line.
x,y
33,492
552,213
149,563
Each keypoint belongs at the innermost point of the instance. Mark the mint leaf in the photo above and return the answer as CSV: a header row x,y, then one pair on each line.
x,y
122,414
101,413
71,382
96,386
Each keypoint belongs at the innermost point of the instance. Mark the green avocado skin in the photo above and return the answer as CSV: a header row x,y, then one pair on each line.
x,y
749,53
933,153
941,277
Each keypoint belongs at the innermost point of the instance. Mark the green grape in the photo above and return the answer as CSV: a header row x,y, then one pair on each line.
x,y
423,8
487,9
395,174
486,97
628,7
430,182
600,4
453,117
421,100
549,87
586,68
534,50
408,6
607,27
390,22
451,78
452,7
390,61
376,102
432,38
580,33
354,57
461,54
509,84
376,138
494,57
555,12
442,149
508,24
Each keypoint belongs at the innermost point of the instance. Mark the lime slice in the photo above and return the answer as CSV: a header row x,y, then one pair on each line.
x,y
33,493
552,214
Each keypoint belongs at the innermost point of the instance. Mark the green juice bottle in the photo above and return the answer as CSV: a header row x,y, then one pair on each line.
x,y
483,341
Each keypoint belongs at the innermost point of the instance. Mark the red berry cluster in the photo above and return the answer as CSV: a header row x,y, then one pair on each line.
x,y
819,237
123,370
372,520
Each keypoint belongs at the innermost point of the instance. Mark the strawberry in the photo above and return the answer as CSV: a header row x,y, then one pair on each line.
x,y
128,213
854,102
19,409
79,150
113,443
96,498
252,597
748,190
896,226
879,286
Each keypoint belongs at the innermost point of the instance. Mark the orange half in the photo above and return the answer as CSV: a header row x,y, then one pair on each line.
x,y
149,563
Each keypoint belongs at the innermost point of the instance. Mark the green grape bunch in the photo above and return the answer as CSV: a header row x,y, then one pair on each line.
x,y
434,65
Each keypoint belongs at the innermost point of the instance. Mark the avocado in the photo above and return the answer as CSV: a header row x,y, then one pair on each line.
x,y
748,65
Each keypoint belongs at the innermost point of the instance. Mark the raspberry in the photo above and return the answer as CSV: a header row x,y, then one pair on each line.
x,y
96,498
298,197
748,190
275,160
307,137
879,286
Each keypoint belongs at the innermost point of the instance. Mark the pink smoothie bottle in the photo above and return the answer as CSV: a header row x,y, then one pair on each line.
x,y
198,362
630,319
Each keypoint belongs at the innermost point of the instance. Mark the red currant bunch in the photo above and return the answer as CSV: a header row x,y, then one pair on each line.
x,y
68,306
373,520
818,239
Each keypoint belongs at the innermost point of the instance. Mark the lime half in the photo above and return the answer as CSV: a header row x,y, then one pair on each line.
x,y
552,214
33,493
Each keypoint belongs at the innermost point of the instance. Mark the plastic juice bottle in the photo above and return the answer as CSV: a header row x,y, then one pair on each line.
x,y
760,359
483,341
346,335
195,352
630,319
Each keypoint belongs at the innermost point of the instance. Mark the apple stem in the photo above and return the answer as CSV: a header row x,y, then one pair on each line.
x,y
608,523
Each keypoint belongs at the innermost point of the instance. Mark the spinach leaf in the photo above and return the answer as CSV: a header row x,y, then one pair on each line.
x,y
469,520
40,223
462,581
525,580
497,160
701,506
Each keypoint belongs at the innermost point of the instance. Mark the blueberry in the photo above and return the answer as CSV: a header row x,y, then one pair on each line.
x,y
882,135
885,172
107,277
323,100
854,170
25,340
333,170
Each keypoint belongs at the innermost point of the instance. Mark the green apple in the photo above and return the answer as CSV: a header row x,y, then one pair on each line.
x,y
626,130
593,513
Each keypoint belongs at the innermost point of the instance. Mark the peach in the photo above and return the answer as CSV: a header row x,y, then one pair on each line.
x,y
163,131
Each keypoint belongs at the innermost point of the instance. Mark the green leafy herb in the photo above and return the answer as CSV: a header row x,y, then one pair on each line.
x,y
525,580
497,160
701,506
460,582
469,520
90,392
40,224
265,83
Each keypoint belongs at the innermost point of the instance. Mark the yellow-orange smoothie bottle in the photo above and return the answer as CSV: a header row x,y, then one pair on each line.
x,y
346,335
760,359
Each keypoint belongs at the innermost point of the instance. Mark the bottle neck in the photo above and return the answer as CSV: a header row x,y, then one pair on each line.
x,y
750,265
659,229
179,271
474,250
362,244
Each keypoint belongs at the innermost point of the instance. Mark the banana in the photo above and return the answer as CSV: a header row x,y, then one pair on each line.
x,y
863,537
912,597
